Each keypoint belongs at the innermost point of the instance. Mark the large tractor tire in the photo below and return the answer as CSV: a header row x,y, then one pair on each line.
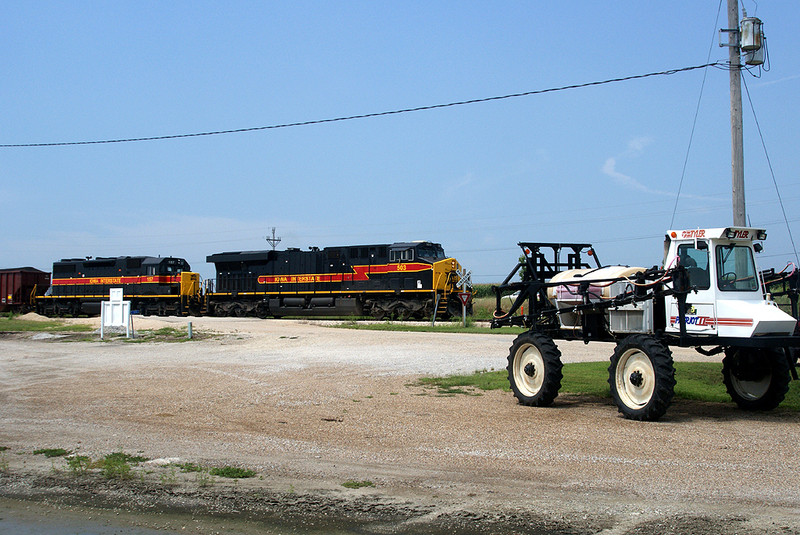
x,y
534,369
756,379
642,377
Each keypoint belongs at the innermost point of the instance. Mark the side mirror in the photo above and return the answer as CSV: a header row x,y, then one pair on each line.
x,y
758,247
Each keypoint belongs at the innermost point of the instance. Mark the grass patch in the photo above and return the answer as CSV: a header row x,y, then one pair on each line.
x,y
79,464
9,325
189,467
351,484
440,327
118,465
4,448
52,452
700,381
232,472
467,384
166,334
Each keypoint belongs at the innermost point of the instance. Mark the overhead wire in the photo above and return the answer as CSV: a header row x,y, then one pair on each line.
x,y
771,170
361,116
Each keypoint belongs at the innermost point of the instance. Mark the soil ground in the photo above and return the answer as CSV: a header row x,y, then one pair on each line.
x,y
309,407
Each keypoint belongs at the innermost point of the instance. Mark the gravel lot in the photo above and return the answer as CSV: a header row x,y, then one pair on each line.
x,y
310,407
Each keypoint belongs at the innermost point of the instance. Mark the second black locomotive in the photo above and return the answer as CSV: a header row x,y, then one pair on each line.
x,y
399,280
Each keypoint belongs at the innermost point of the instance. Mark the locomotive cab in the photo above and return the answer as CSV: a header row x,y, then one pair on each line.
x,y
416,252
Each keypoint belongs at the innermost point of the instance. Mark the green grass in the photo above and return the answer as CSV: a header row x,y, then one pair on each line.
x,y
79,464
166,334
189,467
440,327
232,472
52,452
351,484
701,381
18,325
118,465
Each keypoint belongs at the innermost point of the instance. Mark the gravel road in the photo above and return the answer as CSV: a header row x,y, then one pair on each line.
x,y
309,407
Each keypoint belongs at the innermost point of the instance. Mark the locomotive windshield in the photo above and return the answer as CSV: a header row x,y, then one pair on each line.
x,y
431,252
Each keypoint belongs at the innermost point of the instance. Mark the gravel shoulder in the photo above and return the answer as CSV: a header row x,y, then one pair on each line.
x,y
309,407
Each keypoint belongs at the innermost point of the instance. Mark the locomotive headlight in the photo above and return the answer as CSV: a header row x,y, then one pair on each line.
x,y
762,235
730,234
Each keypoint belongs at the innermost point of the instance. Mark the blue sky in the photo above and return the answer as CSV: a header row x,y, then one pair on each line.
x,y
599,164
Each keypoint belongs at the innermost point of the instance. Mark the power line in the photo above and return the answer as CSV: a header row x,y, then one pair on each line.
x,y
771,170
362,116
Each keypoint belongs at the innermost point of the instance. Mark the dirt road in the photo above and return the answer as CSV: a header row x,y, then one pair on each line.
x,y
309,407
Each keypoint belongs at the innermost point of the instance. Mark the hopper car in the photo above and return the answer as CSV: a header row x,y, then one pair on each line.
x,y
19,288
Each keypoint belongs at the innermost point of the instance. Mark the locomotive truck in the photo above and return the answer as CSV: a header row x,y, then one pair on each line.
x,y
708,294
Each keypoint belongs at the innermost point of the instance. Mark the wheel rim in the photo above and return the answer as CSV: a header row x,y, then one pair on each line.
x,y
751,390
528,370
635,379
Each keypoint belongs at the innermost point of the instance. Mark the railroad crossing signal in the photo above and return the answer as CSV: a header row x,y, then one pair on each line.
x,y
465,278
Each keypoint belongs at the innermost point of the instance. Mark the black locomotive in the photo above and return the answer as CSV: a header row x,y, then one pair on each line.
x,y
399,280
154,285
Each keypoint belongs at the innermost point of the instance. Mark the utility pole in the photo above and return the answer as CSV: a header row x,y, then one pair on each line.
x,y
737,141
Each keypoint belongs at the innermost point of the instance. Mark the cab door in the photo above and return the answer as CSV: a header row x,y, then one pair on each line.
x,y
701,311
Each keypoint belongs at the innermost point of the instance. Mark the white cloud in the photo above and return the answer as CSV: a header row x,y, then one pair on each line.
x,y
638,144
610,169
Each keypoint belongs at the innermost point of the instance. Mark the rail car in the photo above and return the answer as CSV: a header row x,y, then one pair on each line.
x,y
165,286
399,281
19,288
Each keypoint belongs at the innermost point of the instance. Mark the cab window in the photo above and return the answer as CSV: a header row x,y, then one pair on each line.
x,y
431,252
696,263
736,270
404,255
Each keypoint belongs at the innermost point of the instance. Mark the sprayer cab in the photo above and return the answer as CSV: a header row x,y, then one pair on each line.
x,y
726,296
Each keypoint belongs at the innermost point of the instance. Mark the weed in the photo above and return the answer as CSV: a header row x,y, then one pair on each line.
x,y
125,457
351,484
169,478
52,452
165,334
189,467
118,465
203,478
3,463
79,464
3,448
232,472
